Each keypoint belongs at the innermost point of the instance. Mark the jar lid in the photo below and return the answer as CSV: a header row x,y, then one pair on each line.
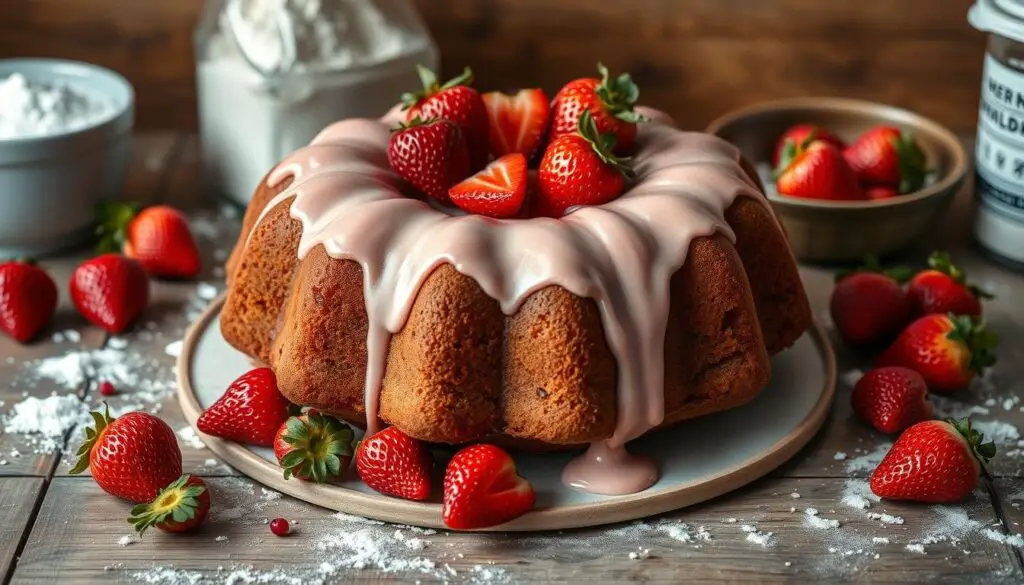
x,y
1002,17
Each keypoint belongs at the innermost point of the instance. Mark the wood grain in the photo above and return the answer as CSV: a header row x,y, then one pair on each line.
x,y
18,497
694,58
85,550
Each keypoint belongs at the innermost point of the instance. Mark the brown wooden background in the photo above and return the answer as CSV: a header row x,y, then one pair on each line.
x,y
694,58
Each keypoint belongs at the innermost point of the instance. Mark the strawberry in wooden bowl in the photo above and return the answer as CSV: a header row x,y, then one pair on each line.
x,y
848,178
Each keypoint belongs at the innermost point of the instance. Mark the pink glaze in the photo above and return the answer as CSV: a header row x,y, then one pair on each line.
x,y
621,254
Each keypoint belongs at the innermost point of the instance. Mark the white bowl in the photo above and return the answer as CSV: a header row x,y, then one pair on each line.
x,y
50,185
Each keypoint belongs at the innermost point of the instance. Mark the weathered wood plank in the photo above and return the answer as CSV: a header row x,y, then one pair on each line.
x,y
18,497
952,539
694,58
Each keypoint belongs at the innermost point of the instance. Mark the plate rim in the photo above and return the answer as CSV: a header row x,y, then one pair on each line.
x,y
398,511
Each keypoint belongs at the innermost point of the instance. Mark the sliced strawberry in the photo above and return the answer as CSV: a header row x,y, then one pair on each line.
x,y
518,122
497,191
482,488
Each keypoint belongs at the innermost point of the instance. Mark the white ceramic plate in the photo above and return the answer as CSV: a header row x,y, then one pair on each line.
x,y
698,459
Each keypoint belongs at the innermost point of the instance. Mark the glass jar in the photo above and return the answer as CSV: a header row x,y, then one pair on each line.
x,y
270,74
999,148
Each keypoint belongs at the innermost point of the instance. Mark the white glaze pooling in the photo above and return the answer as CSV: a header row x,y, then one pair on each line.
x,y
621,254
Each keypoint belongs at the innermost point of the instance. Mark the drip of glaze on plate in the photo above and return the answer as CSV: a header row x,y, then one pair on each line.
x,y
621,254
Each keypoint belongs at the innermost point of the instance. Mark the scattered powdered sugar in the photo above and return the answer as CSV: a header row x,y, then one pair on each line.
x,y
1016,540
222,539
46,421
812,519
839,456
189,436
641,554
885,518
173,348
998,431
917,548
857,494
880,540
683,532
869,461
206,291
126,540
755,536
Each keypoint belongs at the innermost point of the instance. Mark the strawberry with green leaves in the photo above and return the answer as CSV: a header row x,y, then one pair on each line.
x,y
482,488
947,350
943,288
887,156
28,299
430,155
817,170
610,102
498,191
158,237
800,135
935,462
456,102
179,507
580,169
313,447
132,457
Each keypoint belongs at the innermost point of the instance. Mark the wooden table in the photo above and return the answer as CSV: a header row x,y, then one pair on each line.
x,y
59,528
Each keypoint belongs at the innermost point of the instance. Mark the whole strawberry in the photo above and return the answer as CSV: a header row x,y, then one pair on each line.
x,y
28,299
943,288
817,171
179,507
313,447
158,237
431,156
891,399
868,306
800,135
456,102
482,488
947,350
580,169
251,410
499,190
936,462
885,155
395,464
609,101
110,291
132,457
518,122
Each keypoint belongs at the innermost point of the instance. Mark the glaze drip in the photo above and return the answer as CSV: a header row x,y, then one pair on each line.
x,y
621,254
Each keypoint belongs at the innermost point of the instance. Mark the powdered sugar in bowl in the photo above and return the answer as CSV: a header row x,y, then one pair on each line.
x,y
65,139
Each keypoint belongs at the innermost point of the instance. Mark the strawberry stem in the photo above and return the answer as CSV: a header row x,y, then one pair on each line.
x,y
871,263
92,434
603,144
430,86
619,95
112,225
972,332
941,260
911,161
318,445
177,501
983,451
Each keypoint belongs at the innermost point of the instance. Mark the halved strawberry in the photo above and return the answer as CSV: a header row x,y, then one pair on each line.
x,y
482,488
179,507
497,191
518,122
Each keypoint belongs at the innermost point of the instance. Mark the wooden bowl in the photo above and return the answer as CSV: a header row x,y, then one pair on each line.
x,y
842,231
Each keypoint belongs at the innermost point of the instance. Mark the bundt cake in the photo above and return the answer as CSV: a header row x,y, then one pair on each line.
x,y
662,305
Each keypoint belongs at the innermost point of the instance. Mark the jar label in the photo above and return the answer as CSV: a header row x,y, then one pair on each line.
x,y
999,149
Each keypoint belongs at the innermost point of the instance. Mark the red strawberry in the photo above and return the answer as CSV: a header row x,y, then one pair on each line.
x,y
28,299
518,122
943,289
886,156
580,169
110,291
891,399
868,306
482,488
158,237
946,350
132,457
431,156
609,101
313,447
395,464
497,191
801,135
818,172
880,192
251,410
456,102
180,507
936,462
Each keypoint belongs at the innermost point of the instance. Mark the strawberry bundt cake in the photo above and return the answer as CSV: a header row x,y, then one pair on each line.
x,y
379,305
